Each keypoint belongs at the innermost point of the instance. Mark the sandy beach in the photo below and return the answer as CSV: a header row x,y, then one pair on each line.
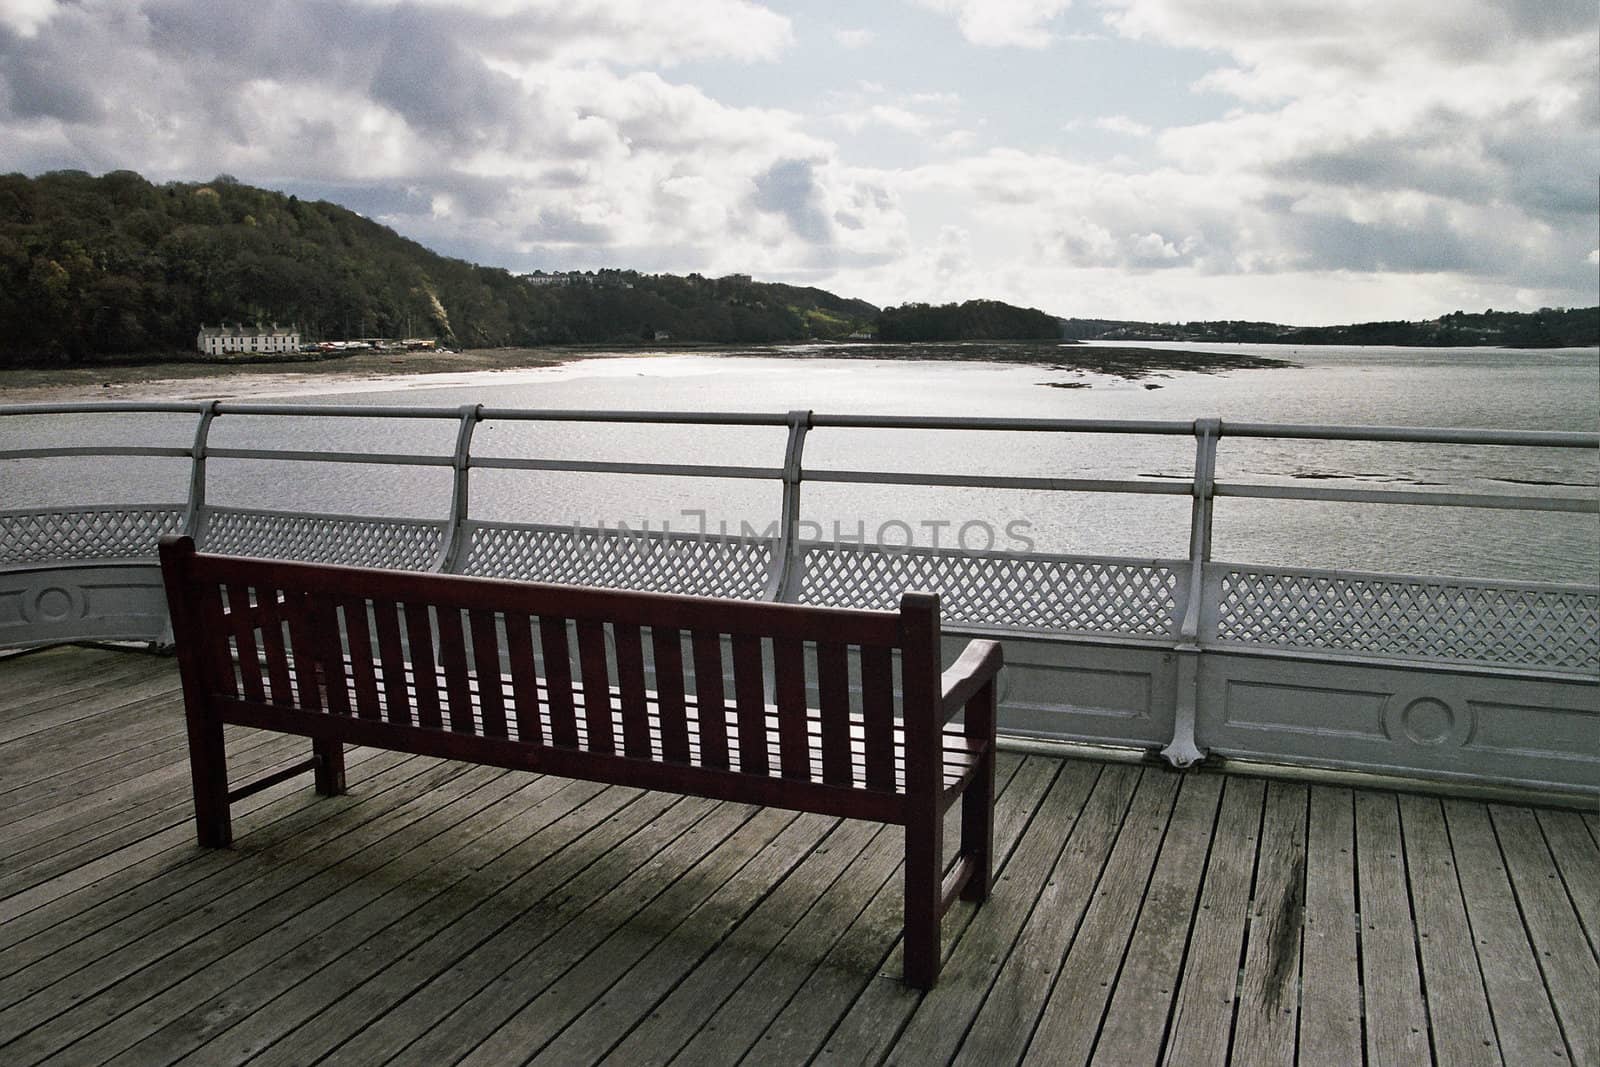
x,y
213,381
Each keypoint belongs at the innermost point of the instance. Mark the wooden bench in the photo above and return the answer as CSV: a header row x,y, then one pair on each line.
x,y
616,687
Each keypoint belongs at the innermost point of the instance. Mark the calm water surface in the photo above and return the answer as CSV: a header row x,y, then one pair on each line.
x,y
1551,390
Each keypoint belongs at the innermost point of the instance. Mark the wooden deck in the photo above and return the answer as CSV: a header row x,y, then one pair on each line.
x,y
441,913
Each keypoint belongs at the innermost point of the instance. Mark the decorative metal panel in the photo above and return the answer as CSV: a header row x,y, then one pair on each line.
x,y
401,544
82,534
620,559
1085,596
1434,619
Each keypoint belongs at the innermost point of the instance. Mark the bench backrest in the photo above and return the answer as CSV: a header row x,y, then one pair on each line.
x,y
636,674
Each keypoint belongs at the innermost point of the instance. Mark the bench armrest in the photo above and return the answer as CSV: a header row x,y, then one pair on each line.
x,y
977,667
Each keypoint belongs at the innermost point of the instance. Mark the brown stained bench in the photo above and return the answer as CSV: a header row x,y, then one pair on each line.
x,y
486,671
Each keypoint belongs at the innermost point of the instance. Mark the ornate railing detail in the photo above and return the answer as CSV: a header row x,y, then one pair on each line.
x,y
1077,596
403,544
105,533
1413,618
621,559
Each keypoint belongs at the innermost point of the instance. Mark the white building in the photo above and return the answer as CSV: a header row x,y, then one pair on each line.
x,y
227,340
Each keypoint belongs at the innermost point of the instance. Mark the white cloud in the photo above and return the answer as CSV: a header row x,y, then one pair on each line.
x,y
24,17
1119,124
997,23
1379,159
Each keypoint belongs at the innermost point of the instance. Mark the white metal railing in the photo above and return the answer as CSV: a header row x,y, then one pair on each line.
x,y
1186,607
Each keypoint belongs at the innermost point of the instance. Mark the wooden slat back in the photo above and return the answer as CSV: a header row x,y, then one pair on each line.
x,y
216,655
666,645
396,698
631,691
241,624
596,682
558,680
323,620
275,651
284,623
877,713
453,659
358,639
751,704
424,671
789,680
524,678
303,651
710,699
833,708
486,665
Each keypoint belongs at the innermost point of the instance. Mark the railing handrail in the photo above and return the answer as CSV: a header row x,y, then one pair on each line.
x,y
820,420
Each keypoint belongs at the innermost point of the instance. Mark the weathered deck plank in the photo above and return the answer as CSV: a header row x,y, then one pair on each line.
x,y
1577,857
1145,988
1450,969
1572,977
1267,1014
1330,1016
1202,1017
1397,1017
444,913
1069,1025
1525,1026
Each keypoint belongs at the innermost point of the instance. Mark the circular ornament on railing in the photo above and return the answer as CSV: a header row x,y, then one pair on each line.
x,y
1426,720
52,604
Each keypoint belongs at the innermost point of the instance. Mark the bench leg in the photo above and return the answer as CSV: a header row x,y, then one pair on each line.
x,y
329,772
977,802
208,767
924,872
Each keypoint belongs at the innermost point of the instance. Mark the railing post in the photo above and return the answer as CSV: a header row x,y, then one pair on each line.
x,y
195,509
784,581
1182,750
454,544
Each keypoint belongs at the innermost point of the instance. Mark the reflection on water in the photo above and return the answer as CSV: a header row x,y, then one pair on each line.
x,y
1554,390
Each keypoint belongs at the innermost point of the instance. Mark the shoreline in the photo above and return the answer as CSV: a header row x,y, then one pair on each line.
x,y
371,371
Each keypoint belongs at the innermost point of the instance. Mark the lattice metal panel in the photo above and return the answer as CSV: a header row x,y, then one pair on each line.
x,y
1064,595
402,544
1434,619
85,533
653,562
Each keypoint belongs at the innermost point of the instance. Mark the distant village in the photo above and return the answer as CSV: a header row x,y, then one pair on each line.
x,y
235,340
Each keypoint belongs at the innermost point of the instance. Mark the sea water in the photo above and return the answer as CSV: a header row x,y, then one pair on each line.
x,y
1486,388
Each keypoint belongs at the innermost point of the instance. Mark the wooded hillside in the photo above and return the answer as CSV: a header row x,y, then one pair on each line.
x,y
115,265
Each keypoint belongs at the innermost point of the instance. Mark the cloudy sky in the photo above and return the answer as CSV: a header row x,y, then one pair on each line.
x,y
1305,161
